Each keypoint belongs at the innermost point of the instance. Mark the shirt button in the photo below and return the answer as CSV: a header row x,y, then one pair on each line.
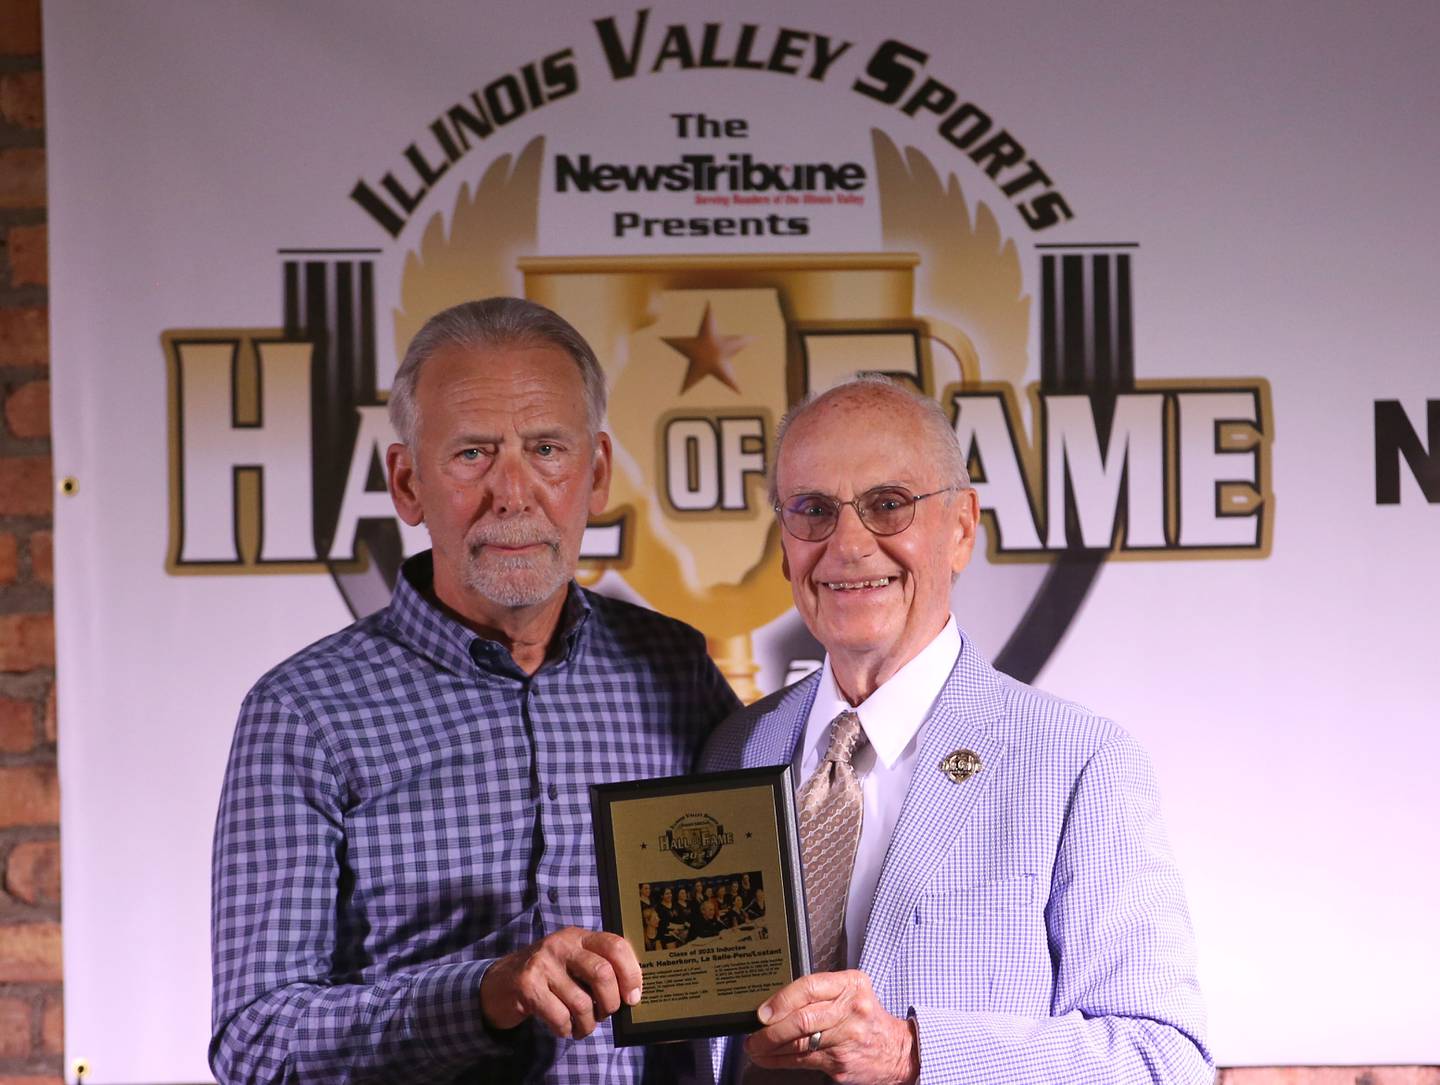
x,y
554,792
554,895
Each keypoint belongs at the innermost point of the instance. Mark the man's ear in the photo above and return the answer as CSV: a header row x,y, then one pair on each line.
x,y
967,520
600,475
400,469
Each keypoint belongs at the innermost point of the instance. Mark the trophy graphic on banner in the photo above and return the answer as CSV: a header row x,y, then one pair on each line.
x,y
704,354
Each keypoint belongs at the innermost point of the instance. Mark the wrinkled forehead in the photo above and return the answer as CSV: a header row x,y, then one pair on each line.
x,y
536,386
854,442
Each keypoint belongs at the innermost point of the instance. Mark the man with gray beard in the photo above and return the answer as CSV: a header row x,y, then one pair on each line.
x,y
404,884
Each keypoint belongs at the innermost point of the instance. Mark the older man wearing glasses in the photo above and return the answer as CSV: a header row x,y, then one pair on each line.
x,y
990,892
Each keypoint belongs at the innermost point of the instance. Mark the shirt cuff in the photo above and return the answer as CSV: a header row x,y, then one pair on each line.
x,y
447,1018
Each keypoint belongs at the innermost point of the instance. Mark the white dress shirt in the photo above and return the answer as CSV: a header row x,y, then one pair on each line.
x,y
892,718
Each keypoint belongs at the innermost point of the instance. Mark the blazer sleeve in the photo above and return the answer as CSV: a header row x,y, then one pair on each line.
x,y
1126,1005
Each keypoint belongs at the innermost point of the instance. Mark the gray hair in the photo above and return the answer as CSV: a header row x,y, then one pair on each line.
x,y
492,324
934,426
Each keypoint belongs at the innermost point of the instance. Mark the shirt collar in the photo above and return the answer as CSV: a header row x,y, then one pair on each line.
x,y
892,715
430,630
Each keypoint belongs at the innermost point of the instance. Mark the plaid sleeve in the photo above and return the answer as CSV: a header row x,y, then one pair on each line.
x,y
278,1012
1126,1006
717,701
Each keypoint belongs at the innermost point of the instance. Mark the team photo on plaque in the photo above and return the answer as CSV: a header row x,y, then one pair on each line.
x,y
680,912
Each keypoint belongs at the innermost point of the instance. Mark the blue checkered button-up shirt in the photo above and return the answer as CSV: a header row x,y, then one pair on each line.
x,y
402,806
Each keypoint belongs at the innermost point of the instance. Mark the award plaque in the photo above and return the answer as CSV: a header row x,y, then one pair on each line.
x,y
701,875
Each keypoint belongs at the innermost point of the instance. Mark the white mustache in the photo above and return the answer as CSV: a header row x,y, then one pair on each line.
x,y
512,534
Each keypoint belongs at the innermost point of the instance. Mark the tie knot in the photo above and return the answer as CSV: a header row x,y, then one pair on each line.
x,y
846,737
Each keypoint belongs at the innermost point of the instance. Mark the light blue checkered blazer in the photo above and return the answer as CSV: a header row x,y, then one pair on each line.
x,y
1031,918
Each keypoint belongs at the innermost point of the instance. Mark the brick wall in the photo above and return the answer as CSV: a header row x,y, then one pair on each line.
x,y
30,988
30,1025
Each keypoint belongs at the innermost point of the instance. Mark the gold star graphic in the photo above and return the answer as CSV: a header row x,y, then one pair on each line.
x,y
709,353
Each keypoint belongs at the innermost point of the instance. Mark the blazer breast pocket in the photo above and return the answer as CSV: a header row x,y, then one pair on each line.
x,y
979,947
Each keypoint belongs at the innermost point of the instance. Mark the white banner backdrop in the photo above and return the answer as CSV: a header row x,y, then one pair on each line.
x,y
1200,244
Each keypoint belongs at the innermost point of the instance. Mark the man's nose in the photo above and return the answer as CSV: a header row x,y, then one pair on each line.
x,y
511,486
851,535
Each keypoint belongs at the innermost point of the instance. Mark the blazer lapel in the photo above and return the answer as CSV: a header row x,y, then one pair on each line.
x,y
936,808
774,736
771,741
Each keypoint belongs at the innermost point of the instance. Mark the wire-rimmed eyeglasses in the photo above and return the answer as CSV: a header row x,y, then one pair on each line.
x,y
885,510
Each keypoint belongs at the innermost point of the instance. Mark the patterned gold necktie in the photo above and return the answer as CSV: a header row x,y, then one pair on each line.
x,y
830,809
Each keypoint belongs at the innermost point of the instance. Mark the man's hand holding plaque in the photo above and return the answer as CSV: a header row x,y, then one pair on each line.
x,y
567,981
832,1022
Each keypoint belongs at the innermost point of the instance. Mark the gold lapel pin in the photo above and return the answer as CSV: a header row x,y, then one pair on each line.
x,y
960,765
